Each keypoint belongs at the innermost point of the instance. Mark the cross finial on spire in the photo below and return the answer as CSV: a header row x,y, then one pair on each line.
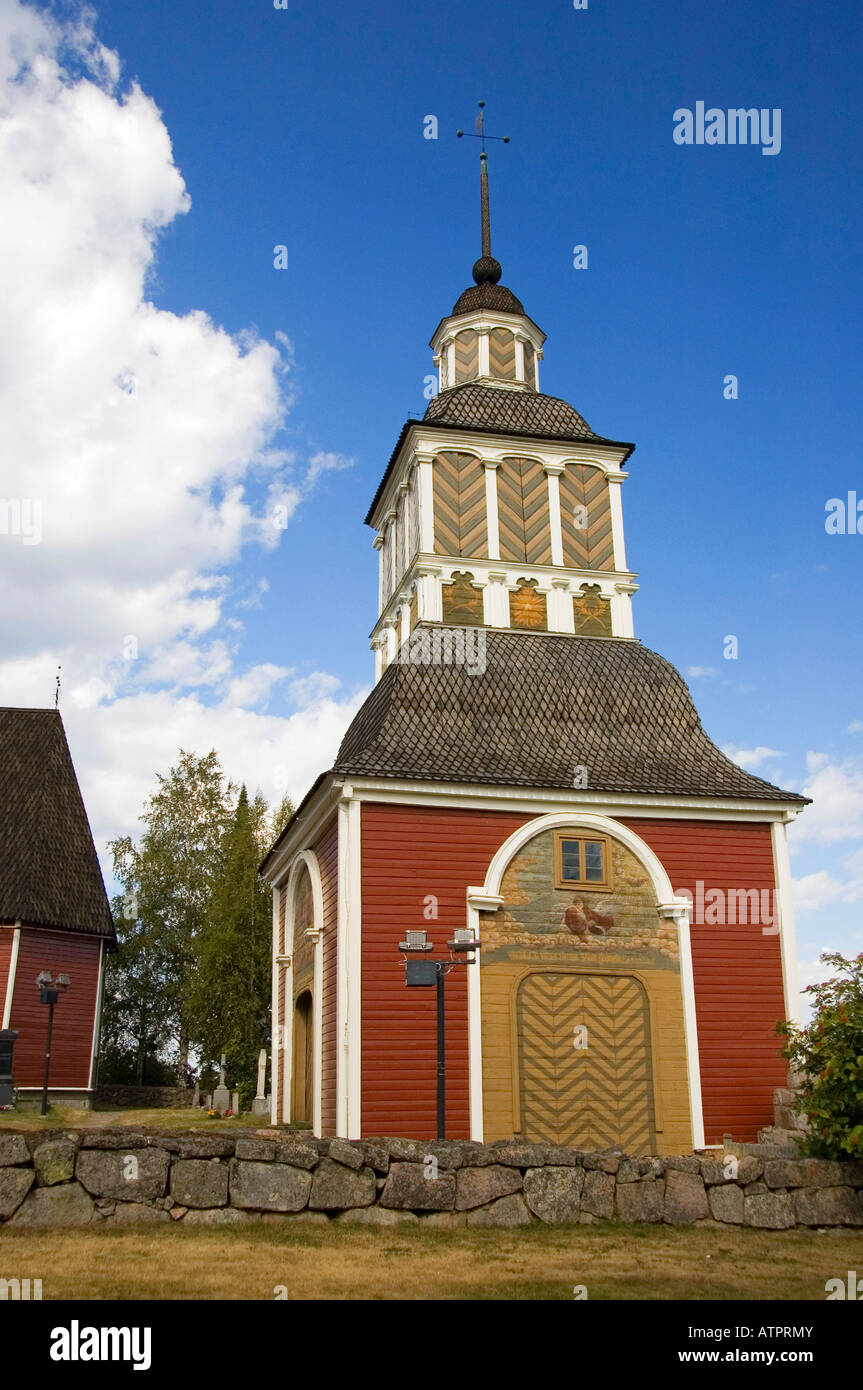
x,y
487,268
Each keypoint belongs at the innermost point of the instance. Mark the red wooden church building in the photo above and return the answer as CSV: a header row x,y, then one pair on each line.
x,y
54,913
526,769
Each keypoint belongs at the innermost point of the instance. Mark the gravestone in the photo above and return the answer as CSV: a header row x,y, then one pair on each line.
x,y
235,1102
196,1097
260,1105
221,1095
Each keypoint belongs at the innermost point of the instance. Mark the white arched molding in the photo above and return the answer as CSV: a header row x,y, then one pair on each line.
x,y
281,1077
488,899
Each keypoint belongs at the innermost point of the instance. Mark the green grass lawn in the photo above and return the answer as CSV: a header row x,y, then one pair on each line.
x,y
253,1262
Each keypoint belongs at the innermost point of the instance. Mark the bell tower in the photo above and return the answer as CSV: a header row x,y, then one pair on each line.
x,y
501,508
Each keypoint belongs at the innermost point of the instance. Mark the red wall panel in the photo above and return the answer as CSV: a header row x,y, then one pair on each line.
x,y
327,851
737,970
408,853
74,1015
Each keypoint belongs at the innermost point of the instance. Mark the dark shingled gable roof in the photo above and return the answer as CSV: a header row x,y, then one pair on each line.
x,y
49,872
500,410
536,707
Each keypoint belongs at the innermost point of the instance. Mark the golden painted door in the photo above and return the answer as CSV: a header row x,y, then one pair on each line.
x,y
301,1109
584,1060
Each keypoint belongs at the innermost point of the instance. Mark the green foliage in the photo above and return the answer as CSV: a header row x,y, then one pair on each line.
x,y
192,972
228,1000
828,1055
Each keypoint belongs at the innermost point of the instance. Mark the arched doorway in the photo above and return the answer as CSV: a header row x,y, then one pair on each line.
x,y
584,1060
302,1071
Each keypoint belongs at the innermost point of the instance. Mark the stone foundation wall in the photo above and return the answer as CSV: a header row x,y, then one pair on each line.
x,y
119,1176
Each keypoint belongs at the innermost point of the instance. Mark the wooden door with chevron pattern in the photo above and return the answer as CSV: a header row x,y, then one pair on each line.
x,y
584,1056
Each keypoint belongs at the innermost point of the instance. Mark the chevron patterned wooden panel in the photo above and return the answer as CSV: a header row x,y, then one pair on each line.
x,y
460,523
591,1096
529,365
501,354
522,509
466,356
585,512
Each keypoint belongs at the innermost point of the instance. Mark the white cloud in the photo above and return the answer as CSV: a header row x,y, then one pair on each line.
x,y
836,790
151,440
855,727
750,758
697,672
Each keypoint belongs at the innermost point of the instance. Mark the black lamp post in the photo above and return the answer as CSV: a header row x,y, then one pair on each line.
x,y
50,990
434,972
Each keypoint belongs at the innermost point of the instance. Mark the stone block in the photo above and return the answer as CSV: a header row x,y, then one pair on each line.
x,y
375,1154
475,1187
255,1150
827,1206
597,1195
15,1183
601,1163
297,1152
771,1211
683,1165
726,1203
66,1205
335,1187
349,1155
802,1172
137,1175
377,1216
640,1201
505,1212
54,1162
268,1186
137,1214
195,1182
407,1188
13,1149
685,1198
554,1194
205,1146
516,1153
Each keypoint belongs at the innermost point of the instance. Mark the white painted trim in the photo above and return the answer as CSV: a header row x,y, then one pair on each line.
x,y
305,858
426,504
680,914
97,1018
349,971
554,520
537,801
483,368
492,519
306,828
276,1023
477,901
10,979
615,504
489,897
784,901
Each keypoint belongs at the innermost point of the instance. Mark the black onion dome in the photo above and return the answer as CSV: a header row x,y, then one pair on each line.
x,y
488,295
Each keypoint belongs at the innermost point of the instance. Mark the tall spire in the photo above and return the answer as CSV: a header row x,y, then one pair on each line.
x,y
486,270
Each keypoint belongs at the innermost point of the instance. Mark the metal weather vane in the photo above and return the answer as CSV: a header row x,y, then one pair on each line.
x,y
480,133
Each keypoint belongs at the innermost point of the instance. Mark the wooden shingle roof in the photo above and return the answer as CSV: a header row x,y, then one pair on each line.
x,y
533,708
49,871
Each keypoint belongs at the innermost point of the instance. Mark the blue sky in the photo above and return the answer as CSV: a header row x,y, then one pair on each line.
x,y
304,127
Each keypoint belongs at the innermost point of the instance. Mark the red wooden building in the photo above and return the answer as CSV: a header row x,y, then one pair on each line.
x,y
54,913
526,769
